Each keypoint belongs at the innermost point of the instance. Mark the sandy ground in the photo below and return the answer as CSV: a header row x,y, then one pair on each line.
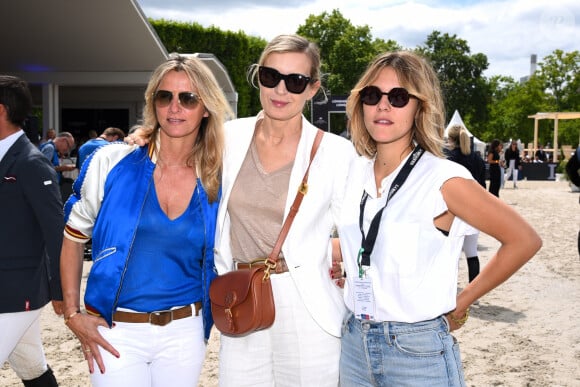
x,y
524,333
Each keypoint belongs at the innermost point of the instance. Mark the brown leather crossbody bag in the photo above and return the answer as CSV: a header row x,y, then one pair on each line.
x,y
241,300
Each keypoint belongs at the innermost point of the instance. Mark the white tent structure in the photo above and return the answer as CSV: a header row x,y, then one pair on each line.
x,y
478,145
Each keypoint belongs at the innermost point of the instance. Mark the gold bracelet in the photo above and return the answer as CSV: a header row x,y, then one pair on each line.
x,y
462,320
67,318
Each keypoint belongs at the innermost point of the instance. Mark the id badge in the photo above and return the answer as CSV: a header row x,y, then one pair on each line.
x,y
364,299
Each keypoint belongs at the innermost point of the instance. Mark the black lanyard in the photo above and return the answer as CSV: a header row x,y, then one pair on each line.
x,y
368,242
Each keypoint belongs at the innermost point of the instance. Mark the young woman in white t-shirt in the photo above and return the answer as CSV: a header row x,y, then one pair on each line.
x,y
401,285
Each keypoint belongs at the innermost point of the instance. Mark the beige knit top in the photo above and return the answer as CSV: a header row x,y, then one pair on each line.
x,y
256,208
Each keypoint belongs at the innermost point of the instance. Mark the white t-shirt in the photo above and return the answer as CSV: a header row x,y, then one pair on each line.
x,y
413,265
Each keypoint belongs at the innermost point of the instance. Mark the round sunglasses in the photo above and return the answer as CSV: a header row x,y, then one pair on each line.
x,y
188,100
295,83
398,96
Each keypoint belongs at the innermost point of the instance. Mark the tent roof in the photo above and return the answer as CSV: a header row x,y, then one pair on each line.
x,y
456,120
85,43
70,41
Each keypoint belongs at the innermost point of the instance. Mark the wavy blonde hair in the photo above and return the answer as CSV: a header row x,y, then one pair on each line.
x,y
417,76
458,138
207,152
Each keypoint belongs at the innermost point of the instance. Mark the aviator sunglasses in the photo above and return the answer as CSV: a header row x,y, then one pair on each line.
x,y
398,97
188,100
295,83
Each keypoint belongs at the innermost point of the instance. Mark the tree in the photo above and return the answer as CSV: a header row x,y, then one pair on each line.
x,y
236,50
461,75
511,104
346,50
561,74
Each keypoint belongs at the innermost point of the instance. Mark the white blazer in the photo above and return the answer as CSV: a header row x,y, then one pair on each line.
x,y
306,248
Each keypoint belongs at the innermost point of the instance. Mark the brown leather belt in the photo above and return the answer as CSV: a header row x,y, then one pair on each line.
x,y
281,266
160,318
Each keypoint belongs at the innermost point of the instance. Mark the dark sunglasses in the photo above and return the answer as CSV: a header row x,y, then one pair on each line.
x,y
188,100
398,97
295,83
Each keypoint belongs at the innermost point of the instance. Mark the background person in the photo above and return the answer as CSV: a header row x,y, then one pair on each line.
x,y
572,169
61,146
459,150
50,135
512,159
401,284
541,155
31,222
265,159
151,214
109,135
494,161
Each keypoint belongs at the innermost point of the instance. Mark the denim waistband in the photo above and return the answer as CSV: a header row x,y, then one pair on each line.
x,y
393,327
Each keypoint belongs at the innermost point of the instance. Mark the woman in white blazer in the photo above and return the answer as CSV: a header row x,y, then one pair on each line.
x,y
265,159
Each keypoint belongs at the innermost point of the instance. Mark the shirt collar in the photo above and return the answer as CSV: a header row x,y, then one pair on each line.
x,y
7,142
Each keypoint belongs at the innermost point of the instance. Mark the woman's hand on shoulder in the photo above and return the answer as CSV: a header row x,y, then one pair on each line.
x,y
138,137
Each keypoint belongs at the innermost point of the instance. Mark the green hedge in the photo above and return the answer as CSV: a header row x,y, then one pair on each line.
x,y
236,50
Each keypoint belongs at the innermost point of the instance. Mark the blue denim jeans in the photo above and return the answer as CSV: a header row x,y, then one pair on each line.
x,y
399,354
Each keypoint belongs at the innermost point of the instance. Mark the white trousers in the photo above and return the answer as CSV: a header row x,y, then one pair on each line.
x,y
151,355
470,245
512,170
21,343
295,351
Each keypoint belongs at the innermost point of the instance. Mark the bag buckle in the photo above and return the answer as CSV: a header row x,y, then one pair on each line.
x,y
270,265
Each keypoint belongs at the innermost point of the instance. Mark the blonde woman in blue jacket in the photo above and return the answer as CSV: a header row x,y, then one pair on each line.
x,y
150,212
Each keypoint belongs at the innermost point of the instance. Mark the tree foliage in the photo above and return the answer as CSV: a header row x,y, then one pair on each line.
x,y
511,104
461,75
560,72
236,50
497,107
346,50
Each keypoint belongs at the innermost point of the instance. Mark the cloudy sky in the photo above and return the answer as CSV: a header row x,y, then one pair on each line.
x,y
507,32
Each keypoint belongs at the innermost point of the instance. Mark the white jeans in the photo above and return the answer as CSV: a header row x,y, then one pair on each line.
x,y
512,170
294,351
151,355
470,245
21,343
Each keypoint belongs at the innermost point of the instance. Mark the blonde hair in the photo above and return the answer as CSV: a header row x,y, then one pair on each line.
x,y
417,76
458,138
207,152
289,43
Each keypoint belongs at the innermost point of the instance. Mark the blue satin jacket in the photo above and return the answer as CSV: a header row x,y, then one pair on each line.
x,y
106,205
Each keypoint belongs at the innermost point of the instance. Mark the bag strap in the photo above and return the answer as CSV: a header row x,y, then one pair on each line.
x,y
271,260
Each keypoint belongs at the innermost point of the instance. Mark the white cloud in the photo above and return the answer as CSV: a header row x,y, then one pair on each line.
x,y
507,32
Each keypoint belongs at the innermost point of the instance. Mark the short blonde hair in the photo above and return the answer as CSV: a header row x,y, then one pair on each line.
x,y
207,153
289,43
417,76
